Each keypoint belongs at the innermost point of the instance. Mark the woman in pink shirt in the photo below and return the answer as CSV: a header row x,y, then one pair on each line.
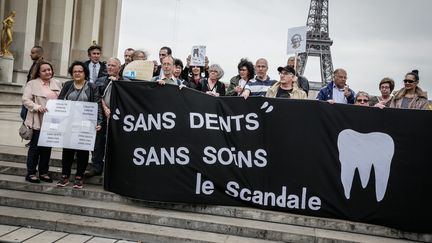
x,y
37,92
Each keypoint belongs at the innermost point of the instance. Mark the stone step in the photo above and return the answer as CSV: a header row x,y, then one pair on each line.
x,y
12,87
19,155
11,98
9,106
92,192
162,217
20,169
111,228
10,95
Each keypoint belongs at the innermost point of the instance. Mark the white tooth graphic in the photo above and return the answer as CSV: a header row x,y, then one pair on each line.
x,y
362,151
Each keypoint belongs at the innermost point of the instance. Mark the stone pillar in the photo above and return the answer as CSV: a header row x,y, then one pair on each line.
x,y
66,39
30,33
117,28
6,69
96,20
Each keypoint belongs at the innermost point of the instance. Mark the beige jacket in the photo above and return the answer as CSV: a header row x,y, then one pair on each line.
x,y
295,94
419,101
33,98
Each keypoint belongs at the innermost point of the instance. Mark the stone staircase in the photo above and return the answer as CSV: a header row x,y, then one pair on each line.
x,y
10,95
96,212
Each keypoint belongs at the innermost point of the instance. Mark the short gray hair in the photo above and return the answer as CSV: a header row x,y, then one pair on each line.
x,y
362,93
218,69
116,60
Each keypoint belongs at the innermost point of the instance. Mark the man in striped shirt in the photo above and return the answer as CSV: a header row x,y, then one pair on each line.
x,y
261,83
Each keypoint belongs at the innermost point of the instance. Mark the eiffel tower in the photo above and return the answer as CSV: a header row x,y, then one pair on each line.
x,y
318,42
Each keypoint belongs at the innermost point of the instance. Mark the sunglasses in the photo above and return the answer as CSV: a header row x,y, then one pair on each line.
x,y
409,81
362,100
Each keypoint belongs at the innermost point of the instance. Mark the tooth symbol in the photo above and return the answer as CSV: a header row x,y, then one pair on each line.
x,y
362,151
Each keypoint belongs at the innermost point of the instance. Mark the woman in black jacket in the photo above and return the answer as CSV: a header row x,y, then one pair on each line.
x,y
78,89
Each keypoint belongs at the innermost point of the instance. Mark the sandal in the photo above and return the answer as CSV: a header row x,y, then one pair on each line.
x,y
32,179
45,178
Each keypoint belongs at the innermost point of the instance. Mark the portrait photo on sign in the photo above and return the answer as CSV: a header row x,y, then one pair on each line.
x,y
198,54
296,40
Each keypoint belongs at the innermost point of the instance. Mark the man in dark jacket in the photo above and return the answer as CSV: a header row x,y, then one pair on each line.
x,y
36,54
337,91
302,81
98,154
96,67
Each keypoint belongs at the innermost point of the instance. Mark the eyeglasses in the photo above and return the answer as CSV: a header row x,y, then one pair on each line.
x,y
362,100
384,87
409,81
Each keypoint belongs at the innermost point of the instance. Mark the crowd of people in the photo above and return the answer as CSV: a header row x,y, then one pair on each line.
x,y
92,81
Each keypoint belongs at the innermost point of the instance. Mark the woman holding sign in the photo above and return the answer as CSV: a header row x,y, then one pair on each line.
x,y
78,89
36,94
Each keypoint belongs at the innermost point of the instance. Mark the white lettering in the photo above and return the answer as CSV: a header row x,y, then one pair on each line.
x,y
128,125
192,117
161,156
292,201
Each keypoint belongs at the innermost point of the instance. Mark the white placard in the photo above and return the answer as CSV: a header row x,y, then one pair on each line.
x,y
198,54
296,40
69,124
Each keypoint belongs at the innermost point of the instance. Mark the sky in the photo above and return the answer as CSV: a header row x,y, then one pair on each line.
x,y
371,39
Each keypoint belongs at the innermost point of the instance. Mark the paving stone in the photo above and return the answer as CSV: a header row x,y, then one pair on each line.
x,y
4,229
75,238
101,240
46,236
20,235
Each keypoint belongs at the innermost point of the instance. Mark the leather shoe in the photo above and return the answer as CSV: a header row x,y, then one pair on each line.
x,y
92,172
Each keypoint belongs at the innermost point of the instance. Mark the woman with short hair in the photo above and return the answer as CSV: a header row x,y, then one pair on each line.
x,y
362,99
78,89
239,83
213,85
386,87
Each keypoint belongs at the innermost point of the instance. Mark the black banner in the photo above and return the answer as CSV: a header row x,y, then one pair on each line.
x,y
300,156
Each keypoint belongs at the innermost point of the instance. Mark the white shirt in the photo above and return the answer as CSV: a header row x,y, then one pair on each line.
x,y
339,95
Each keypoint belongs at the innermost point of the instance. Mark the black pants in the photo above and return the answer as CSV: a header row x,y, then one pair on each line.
x,y
68,158
98,154
37,155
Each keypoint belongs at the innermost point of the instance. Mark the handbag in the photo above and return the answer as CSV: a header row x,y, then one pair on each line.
x,y
25,132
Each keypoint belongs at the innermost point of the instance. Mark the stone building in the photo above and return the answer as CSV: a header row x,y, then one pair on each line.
x,y
64,28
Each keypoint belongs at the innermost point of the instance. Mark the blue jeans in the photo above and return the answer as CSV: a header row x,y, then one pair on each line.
x,y
37,155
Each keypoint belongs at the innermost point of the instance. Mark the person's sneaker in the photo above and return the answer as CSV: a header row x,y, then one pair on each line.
x,y
78,184
64,181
